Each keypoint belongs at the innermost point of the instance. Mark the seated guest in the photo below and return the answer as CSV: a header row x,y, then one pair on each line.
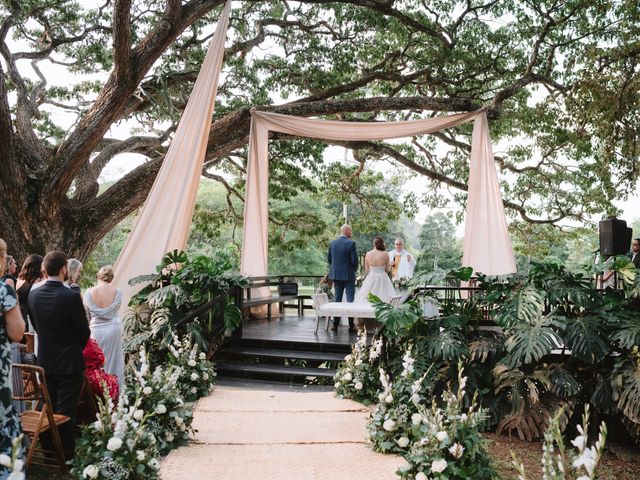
x,y
103,302
326,286
59,318
9,277
11,328
94,360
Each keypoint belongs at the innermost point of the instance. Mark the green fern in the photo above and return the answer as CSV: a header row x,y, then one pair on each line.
x,y
587,339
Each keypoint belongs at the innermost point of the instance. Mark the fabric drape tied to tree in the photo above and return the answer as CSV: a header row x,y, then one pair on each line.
x,y
487,245
164,222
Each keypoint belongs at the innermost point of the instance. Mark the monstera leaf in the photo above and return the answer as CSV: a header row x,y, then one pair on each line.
x,y
561,382
528,343
487,345
626,388
522,305
446,345
396,319
587,339
627,332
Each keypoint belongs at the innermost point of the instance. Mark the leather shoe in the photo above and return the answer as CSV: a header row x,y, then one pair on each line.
x,y
334,328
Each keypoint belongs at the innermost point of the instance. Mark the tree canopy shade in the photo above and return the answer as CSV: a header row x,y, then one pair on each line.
x,y
560,80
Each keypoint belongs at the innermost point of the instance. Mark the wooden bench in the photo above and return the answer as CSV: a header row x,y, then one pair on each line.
x,y
281,298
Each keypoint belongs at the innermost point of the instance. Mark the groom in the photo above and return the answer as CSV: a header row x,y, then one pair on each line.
x,y
343,263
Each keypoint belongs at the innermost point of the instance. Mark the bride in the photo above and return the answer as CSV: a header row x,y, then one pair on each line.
x,y
376,267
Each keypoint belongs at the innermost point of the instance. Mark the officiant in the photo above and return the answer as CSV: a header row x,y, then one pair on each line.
x,y
402,262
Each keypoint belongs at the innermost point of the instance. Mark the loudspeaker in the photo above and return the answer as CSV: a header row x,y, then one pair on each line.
x,y
615,236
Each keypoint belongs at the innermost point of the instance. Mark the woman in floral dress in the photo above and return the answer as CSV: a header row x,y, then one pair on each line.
x,y
11,328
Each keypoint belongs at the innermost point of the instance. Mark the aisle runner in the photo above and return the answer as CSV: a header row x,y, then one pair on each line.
x,y
280,435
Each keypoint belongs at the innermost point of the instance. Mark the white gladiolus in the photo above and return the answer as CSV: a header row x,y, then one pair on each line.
x,y
579,442
421,476
358,362
358,386
456,450
191,363
463,417
147,390
5,460
439,465
415,398
348,358
140,455
402,442
416,418
587,459
90,471
161,409
389,425
442,436
114,444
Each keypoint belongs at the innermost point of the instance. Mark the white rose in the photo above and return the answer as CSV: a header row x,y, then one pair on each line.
x,y
194,376
178,421
442,436
416,418
358,362
358,386
140,455
114,444
147,390
202,356
439,465
456,450
421,476
347,376
336,385
191,363
205,376
402,442
168,436
138,414
90,471
161,409
389,398
193,390
153,463
348,358
389,425
5,460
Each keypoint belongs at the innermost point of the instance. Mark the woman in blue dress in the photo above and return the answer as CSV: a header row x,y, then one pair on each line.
x,y
11,328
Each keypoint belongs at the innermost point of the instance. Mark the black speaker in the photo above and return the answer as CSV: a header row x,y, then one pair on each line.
x,y
615,237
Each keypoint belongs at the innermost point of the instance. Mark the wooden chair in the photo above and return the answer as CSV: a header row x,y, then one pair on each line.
x,y
87,405
29,386
320,299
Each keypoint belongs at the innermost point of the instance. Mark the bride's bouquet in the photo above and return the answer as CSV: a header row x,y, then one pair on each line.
x,y
359,280
401,283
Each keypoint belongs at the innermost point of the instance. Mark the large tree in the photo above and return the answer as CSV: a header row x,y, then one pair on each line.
x,y
559,78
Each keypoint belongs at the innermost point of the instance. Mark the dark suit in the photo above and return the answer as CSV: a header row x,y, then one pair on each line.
x,y
343,263
636,260
59,318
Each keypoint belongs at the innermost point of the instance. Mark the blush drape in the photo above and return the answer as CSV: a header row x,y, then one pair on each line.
x,y
487,245
165,219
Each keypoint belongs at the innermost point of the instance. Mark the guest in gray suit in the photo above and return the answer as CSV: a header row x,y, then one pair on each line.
x,y
343,263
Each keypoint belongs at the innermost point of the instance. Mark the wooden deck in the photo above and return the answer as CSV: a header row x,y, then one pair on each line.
x,y
296,329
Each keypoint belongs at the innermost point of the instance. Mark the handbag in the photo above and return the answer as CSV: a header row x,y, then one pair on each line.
x,y
288,289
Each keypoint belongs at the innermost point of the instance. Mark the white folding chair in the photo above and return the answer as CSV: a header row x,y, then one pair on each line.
x,y
320,299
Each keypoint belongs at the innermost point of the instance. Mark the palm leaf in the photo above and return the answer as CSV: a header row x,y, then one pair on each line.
x,y
587,338
528,343
522,305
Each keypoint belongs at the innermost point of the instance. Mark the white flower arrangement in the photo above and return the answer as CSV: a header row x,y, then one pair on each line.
x,y
356,377
558,462
197,373
13,464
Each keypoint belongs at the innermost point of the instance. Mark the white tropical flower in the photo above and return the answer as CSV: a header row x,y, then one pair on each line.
x,y
161,409
579,442
456,450
586,459
140,455
90,471
114,444
191,363
389,425
402,442
421,476
416,418
439,465
147,390
442,436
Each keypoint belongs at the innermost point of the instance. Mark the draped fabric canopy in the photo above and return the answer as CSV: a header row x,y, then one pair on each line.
x,y
487,246
165,219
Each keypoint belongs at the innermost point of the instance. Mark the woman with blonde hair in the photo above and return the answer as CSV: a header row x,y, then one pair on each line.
x,y
11,328
74,271
103,302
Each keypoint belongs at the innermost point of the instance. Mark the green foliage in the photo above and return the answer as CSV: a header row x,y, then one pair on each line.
x,y
396,320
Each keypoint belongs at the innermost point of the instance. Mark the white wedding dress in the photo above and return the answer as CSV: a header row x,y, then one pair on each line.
x,y
378,283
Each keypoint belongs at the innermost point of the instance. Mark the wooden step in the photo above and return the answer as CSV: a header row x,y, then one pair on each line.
x,y
250,351
292,345
271,371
